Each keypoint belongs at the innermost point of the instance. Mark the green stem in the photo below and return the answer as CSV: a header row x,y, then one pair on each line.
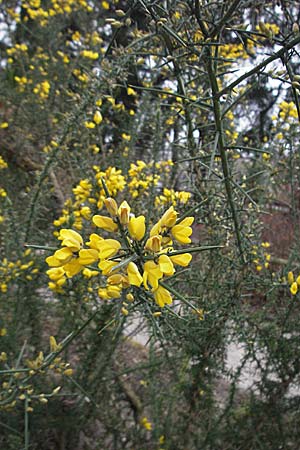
x,y
222,149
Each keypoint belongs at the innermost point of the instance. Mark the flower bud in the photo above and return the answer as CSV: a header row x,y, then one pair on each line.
x,y
124,212
111,206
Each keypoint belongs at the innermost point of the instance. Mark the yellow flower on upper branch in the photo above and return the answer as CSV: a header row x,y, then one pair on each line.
x,y
183,231
106,223
70,239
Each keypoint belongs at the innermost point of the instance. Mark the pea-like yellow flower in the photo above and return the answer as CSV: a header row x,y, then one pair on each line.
x,y
97,117
55,273
137,227
182,260
294,288
166,265
60,257
182,231
169,218
162,296
124,213
106,223
154,244
73,267
290,277
88,256
134,276
111,206
116,278
107,266
94,241
152,274
70,239
108,248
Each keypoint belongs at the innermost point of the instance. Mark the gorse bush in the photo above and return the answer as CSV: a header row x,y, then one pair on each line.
x,y
149,218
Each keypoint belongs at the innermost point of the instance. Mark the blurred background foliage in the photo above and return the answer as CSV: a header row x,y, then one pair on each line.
x,y
187,103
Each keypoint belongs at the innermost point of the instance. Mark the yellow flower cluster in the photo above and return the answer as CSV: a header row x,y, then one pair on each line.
x,y
11,271
268,29
42,89
287,110
138,180
56,7
293,283
137,259
169,196
261,256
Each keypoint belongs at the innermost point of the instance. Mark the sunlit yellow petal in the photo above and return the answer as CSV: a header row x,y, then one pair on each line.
x,y
166,265
134,276
108,248
162,296
88,256
106,223
137,227
169,218
71,239
94,241
182,260
73,267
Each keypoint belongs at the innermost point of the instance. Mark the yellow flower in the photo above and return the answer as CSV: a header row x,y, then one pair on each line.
x,y
97,118
166,265
130,91
182,260
55,273
162,296
108,248
290,277
94,241
71,239
294,288
60,257
106,223
117,278
152,274
156,229
88,256
146,424
134,276
124,212
73,267
111,206
90,125
114,291
182,231
107,266
154,244
169,218
137,228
